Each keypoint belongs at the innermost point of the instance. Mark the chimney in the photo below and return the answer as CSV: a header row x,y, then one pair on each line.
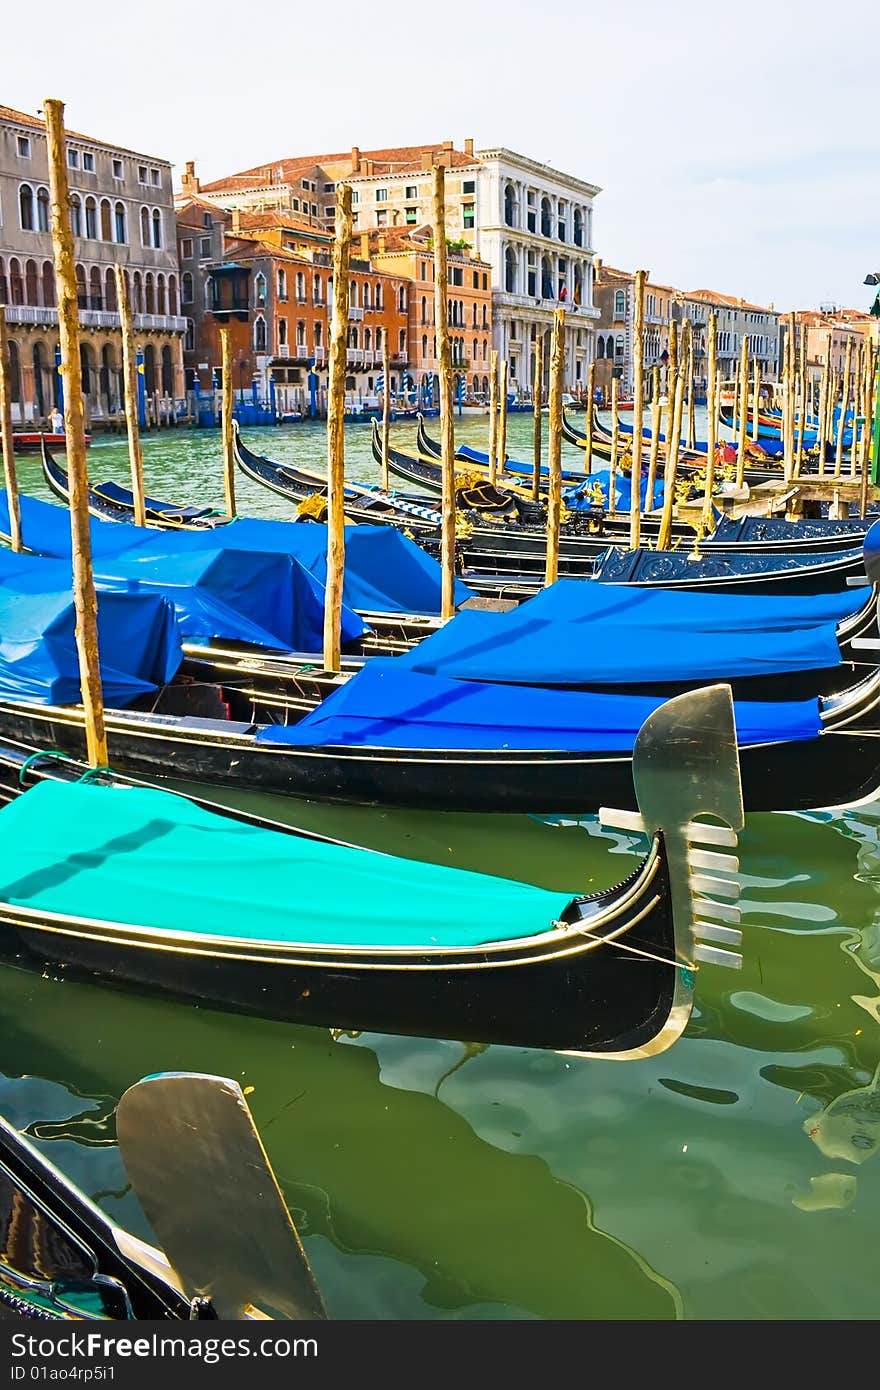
x,y
236,221
355,159
383,242
365,246
189,183
469,148
449,145
427,159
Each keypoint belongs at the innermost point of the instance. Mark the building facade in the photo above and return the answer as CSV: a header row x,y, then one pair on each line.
x,y
122,212
614,297
278,273
737,319
828,332
531,223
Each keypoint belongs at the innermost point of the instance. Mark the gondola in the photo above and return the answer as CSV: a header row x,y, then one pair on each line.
x,y
740,535
770,433
759,468
112,502
335,936
190,1151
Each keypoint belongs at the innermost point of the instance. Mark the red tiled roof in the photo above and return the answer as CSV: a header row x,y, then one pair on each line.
x,y
728,300
8,113
398,158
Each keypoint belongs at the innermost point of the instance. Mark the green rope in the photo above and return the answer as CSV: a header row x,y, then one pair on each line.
x,y
62,757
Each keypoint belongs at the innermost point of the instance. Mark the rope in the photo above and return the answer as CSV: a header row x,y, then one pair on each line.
x,y
56,753
621,946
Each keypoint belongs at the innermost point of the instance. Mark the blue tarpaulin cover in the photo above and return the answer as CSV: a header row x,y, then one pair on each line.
x,y
384,570
578,632
238,596
388,707
138,643
578,496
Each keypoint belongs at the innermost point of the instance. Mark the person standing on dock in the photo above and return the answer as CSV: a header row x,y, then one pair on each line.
x,y
56,420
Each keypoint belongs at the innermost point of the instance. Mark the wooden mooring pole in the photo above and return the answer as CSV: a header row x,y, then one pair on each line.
x,y
502,418
554,447
537,402
638,352
844,398
386,414
655,439
664,534
226,419
85,600
493,417
338,362
822,423
615,444
9,473
130,396
743,416
591,389
711,417
444,358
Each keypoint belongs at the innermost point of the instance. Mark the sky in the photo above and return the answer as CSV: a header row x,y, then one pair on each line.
x,y
737,149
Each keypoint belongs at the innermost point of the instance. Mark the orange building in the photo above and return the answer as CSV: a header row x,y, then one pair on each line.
x,y
410,254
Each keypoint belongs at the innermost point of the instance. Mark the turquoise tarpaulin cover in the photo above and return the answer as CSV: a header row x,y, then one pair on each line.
x,y
386,706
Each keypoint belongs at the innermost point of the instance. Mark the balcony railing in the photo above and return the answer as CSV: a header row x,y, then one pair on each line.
x,y
94,318
355,313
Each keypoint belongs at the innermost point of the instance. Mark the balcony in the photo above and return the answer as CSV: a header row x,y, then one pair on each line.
x,y
355,313
94,318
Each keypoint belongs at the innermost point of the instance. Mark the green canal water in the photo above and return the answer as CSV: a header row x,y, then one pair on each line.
x,y
736,1176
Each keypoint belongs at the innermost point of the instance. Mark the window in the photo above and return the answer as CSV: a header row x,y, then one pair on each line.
x,y
401,299
157,228
207,220
328,188
476,281
619,303
106,221
260,291
401,343
91,219
281,284
26,207
412,191
300,287
330,211
485,282
467,216
23,147
186,288
73,159
381,195
377,298
155,178
120,223
382,219
259,334
411,216
186,248
145,227
142,173
205,246
282,337
355,195
456,275
42,209
75,214
118,172
89,163
189,341
469,186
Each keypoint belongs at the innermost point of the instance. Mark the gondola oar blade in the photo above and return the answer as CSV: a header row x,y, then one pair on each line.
x,y
200,1171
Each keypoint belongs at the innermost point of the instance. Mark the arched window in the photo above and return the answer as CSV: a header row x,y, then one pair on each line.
x,y
260,291
160,294
186,288
145,227
619,303
31,283
189,341
546,279
282,283
121,224
76,214
378,339
96,296
167,372
300,283
42,209
259,334
353,340
110,302
149,293
157,228
26,207
16,283
368,339
424,309
109,378
14,374
578,285
600,348
377,296
618,345
578,227
510,205
137,294
474,324
424,346
401,343
209,285
510,270
91,219
150,369
48,283
546,218
172,294
82,294
401,299
106,220
86,363
318,290
365,294
352,294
